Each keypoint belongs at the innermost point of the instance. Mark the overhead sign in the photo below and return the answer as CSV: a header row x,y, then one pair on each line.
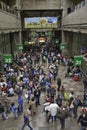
x,y
41,22
63,46
42,39
57,41
20,46
78,60
7,58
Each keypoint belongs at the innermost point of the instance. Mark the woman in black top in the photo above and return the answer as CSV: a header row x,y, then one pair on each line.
x,y
83,121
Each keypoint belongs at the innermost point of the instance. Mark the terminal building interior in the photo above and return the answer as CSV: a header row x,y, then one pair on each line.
x,y
34,34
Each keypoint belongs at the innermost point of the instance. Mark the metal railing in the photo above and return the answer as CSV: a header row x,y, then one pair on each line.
x,y
78,6
8,9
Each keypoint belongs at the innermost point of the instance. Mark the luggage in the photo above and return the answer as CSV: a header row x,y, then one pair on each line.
x,y
76,78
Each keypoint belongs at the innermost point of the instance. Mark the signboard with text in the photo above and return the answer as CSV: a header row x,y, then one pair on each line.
x,y
62,46
78,60
57,41
7,58
20,46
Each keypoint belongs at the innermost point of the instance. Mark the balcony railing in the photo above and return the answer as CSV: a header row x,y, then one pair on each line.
x,y
8,9
78,6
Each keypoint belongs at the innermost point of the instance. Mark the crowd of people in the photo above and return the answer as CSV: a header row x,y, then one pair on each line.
x,y
26,78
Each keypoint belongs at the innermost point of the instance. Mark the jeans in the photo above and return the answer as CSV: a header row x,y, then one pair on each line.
x,y
26,125
71,112
15,115
36,101
83,128
20,107
53,118
4,116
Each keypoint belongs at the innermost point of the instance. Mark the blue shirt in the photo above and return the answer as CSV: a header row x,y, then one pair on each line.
x,y
26,119
20,100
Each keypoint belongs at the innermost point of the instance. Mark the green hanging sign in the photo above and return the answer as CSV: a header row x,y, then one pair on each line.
x,y
57,41
78,60
7,58
20,46
62,46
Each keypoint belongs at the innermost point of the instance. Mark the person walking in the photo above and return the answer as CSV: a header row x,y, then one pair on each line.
x,y
85,84
53,110
62,115
14,110
20,104
26,122
58,84
82,120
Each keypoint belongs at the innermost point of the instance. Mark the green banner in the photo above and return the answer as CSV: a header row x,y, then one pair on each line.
x,y
78,60
57,41
7,58
20,46
62,46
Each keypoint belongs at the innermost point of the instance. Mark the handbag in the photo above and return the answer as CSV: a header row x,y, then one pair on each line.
x,y
26,96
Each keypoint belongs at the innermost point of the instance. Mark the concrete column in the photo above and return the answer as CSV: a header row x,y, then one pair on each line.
x,y
12,43
85,2
70,43
18,4
64,7
61,4
63,36
20,37
67,36
65,4
2,5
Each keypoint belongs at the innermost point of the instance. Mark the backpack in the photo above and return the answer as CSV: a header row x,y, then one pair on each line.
x,y
66,113
63,114
76,102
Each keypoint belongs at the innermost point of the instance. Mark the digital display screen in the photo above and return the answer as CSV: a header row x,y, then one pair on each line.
x,y
41,22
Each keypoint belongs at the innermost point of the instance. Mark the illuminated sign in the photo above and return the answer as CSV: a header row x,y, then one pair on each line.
x,y
42,39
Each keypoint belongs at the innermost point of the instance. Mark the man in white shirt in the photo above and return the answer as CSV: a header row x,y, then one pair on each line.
x,y
46,107
11,92
53,109
71,95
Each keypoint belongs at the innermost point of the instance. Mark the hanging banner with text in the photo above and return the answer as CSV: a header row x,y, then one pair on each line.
x,y
56,41
62,46
20,46
7,58
78,60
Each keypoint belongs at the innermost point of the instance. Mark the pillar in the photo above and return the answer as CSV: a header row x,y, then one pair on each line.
x,y
20,37
63,36
18,4
85,2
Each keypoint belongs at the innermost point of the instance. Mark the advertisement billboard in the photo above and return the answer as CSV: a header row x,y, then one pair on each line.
x,y
41,22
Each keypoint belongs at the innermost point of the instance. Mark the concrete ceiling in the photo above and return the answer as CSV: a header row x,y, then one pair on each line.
x,y
41,13
76,1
